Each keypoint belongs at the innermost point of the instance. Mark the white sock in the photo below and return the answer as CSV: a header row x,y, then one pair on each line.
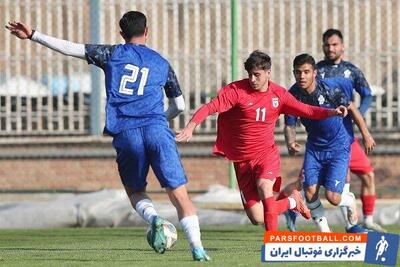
x,y
146,210
322,224
369,219
346,188
191,228
347,200
292,203
343,209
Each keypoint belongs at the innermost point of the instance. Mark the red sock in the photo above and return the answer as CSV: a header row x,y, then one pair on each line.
x,y
368,204
282,202
270,215
282,205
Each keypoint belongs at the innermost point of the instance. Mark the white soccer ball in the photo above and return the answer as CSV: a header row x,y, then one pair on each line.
x,y
169,231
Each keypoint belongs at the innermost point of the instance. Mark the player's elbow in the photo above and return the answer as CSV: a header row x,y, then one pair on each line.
x,y
180,107
180,103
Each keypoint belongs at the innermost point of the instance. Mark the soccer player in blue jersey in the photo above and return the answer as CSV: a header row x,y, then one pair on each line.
x,y
135,77
334,66
328,143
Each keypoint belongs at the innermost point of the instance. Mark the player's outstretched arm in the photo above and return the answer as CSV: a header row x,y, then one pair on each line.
x,y
198,117
68,48
369,142
187,133
292,106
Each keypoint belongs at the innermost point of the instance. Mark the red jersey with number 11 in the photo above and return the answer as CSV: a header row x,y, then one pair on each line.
x,y
247,118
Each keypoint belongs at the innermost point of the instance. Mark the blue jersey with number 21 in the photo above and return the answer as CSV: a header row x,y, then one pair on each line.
x,y
134,78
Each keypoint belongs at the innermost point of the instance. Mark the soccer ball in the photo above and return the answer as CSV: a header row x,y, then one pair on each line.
x,y
170,233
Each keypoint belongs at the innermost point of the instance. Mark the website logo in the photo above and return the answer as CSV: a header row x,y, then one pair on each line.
x,y
382,248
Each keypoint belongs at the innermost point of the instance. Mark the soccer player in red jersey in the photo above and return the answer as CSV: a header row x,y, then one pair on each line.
x,y
248,110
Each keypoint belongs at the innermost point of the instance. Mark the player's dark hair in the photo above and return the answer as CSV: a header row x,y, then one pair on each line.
x,y
330,32
303,59
257,59
132,24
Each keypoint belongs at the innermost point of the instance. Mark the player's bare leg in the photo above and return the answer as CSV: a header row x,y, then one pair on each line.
x,y
189,221
368,197
316,208
256,214
180,199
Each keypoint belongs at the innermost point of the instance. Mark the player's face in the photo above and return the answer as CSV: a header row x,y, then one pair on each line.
x,y
333,49
305,77
258,79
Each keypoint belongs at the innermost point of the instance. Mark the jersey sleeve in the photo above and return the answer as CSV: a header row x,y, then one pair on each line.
x,y
319,66
291,106
226,99
172,88
290,120
363,89
99,54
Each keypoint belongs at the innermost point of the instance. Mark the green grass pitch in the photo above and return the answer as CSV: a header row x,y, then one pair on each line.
x,y
228,246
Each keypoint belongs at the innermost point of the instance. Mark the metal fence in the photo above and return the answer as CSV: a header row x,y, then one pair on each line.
x,y
44,93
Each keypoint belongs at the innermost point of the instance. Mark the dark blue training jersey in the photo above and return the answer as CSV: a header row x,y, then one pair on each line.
x,y
347,70
134,78
333,133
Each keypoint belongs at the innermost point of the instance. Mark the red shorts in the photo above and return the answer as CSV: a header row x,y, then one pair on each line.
x,y
266,166
359,162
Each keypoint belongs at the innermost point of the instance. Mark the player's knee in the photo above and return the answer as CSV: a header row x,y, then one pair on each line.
x,y
255,214
333,198
368,179
256,221
311,194
265,188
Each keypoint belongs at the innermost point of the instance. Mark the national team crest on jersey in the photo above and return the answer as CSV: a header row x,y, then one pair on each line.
x,y
275,102
347,73
321,100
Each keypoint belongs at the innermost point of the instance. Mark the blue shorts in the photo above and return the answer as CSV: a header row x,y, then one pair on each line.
x,y
327,168
152,145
